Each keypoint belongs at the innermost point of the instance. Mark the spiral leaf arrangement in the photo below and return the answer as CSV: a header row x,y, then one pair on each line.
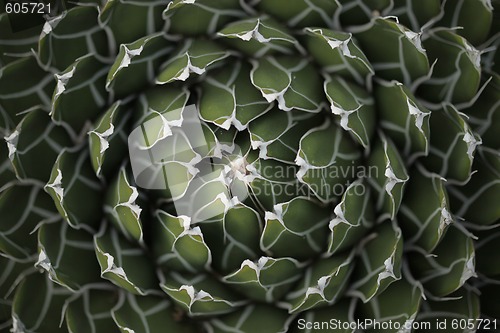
x,y
368,152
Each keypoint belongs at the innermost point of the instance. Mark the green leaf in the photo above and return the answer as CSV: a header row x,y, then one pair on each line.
x,y
415,13
380,262
453,145
292,82
73,34
486,255
7,172
206,197
299,221
196,56
252,318
164,157
122,209
167,101
147,19
322,284
461,306
210,16
459,15
178,245
389,176
446,271
399,305
200,295
301,13
327,169
22,207
35,144
353,106
360,12
484,115
277,134
16,43
257,37
403,118
149,314
80,93
58,246
338,53
136,65
265,280
272,182
477,200
12,274
107,144
73,182
456,75
353,216
23,85
90,312
338,313
395,52
38,305
124,264
228,98
234,238
424,220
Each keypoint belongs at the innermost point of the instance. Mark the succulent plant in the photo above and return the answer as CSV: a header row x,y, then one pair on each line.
x,y
250,166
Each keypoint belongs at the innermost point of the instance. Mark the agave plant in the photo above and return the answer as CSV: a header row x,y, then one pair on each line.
x,y
250,166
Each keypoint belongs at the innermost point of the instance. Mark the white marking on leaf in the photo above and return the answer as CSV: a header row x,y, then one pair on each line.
x,y
103,138
136,209
194,295
388,270
320,288
344,115
473,53
487,4
51,24
184,75
276,215
228,203
342,45
256,267
417,113
186,223
113,268
56,185
414,38
12,143
446,218
469,270
392,180
340,218
304,167
17,325
43,261
472,143
62,80
165,129
129,54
